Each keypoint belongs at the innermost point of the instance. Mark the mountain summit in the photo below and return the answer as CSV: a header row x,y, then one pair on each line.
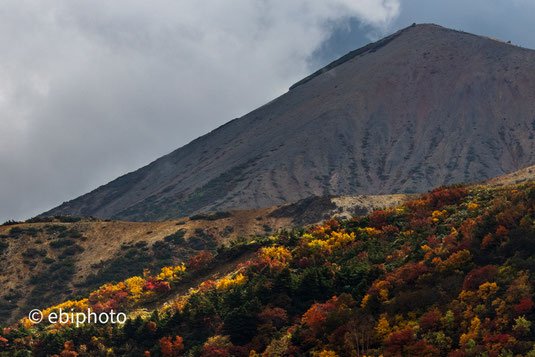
x,y
423,107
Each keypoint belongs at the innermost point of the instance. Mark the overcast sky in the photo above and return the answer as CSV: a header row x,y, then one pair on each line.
x,y
93,89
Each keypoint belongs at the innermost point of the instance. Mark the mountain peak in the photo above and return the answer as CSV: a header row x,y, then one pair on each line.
x,y
421,32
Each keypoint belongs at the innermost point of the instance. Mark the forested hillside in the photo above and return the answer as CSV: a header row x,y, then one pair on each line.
x,y
47,260
448,274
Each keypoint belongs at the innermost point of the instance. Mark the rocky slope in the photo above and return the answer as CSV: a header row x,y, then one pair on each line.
x,y
523,175
424,107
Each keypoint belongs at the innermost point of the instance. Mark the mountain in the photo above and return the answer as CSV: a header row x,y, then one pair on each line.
x,y
423,107
450,273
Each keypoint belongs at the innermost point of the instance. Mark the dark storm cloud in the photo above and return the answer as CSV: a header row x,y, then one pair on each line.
x,y
90,90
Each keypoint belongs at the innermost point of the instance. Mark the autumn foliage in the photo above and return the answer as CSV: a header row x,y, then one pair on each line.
x,y
447,274
171,347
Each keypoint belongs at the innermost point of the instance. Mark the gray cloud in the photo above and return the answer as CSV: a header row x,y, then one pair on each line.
x,y
92,89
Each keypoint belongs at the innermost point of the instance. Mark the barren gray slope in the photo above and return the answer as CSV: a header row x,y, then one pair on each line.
x,y
429,106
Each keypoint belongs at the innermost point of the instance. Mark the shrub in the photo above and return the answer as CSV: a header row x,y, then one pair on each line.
x,y
10,222
199,261
33,252
68,219
176,238
59,243
16,232
3,246
55,228
161,250
39,219
72,250
48,260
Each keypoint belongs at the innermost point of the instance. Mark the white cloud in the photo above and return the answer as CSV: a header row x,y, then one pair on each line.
x,y
91,89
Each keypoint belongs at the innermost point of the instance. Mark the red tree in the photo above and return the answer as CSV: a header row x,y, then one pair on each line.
x,y
199,261
479,276
170,347
431,321
524,306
